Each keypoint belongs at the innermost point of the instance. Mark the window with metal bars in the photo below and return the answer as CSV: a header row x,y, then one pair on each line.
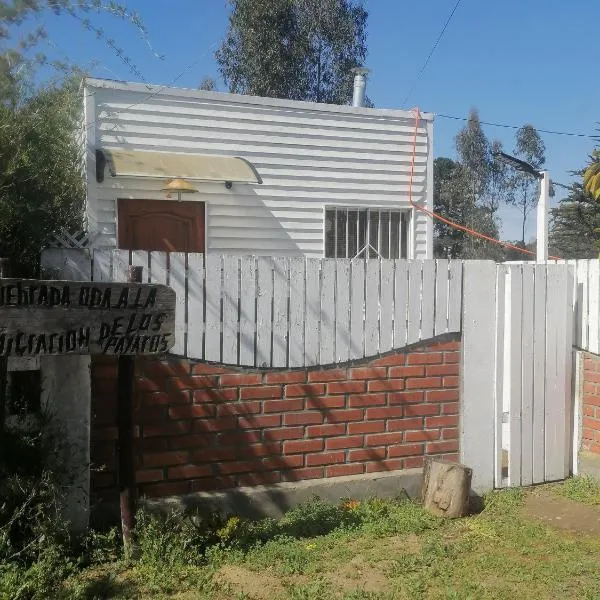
x,y
366,233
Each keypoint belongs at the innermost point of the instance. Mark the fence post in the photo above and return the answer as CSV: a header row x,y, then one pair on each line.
x,y
126,472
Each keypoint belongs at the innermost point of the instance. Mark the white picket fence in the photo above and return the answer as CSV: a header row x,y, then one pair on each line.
x,y
293,312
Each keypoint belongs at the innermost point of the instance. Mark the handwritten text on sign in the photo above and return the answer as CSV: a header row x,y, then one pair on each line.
x,y
71,317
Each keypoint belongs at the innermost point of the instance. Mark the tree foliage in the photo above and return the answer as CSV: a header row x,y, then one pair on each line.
x,y
295,49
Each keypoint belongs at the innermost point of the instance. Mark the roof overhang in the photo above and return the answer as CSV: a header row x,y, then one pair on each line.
x,y
166,165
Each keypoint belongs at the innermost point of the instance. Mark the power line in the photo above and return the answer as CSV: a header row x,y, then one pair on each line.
x,y
507,126
435,45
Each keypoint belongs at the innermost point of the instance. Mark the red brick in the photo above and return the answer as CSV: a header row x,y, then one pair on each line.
x,y
343,416
412,371
105,371
267,478
300,446
325,402
446,421
270,406
424,358
220,424
590,422
263,391
451,381
589,388
285,433
168,368
183,442
442,395
212,483
157,490
384,465
192,411
325,458
450,408
406,450
299,474
216,395
164,459
284,462
302,418
144,385
368,373
451,345
423,382
421,410
287,377
452,357
359,400
413,462
592,376
449,446
450,433
592,400
383,439
235,379
168,428
238,437
190,471
207,369
385,412
242,466
366,427
150,414
341,470
239,408
426,435
326,430
366,454
386,385
450,457
446,369
159,398
589,411
259,450
305,389
326,375
197,382
259,421
211,455
341,443
405,397
149,475
391,360
346,387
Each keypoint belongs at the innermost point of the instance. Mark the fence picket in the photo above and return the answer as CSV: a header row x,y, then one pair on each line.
x,y
264,307
102,270
500,326
414,301
400,302
582,286
280,312
248,311
441,296
427,300
372,308
177,281
539,362
212,291
195,309
342,311
455,295
594,306
386,328
297,311
120,265
231,275
313,312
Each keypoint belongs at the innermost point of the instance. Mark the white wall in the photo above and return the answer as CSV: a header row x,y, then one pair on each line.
x,y
309,156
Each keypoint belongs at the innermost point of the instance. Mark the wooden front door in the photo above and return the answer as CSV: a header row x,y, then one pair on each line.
x,y
164,225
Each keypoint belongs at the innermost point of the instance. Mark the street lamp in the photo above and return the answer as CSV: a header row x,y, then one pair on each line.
x,y
542,206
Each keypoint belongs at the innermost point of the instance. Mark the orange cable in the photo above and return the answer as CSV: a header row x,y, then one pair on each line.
x,y
453,224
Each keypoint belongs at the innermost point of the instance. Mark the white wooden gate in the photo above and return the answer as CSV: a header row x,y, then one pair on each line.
x,y
518,326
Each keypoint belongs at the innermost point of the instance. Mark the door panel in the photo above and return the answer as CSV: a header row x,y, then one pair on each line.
x,y
164,225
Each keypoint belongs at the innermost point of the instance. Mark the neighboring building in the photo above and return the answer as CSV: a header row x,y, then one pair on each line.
x,y
310,179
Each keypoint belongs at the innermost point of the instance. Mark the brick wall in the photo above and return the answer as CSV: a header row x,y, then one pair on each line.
x,y
590,434
204,427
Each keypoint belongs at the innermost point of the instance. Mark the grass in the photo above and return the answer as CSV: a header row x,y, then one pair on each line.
x,y
373,550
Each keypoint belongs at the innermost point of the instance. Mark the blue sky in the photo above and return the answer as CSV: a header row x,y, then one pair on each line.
x,y
516,61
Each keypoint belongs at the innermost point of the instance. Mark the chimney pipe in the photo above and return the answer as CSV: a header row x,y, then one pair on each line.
x,y
360,86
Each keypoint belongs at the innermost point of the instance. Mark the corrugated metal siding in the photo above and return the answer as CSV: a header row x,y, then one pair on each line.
x,y
308,158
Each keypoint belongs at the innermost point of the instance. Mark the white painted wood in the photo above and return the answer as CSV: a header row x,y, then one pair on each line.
x,y
455,296
569,398
428,300
441,296
414,301
514,366
195,323
372,308
213,296
582,283
120,265
313,312
556,325
342,311
231,296
527,365
102,270
297,311
500,327
327,303
264,311
308,156
539,374
477,423
280,312
177,281
357,309
400,302
386,326
594,306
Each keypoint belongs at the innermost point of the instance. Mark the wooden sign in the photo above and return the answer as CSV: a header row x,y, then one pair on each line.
x,y
80,317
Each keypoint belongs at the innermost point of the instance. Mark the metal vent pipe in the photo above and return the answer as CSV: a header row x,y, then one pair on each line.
x,y
360,86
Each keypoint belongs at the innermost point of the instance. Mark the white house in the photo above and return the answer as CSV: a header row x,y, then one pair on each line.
x,y
263,176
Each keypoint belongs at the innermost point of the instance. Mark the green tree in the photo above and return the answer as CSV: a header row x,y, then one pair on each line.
x,y
525,189
295,49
